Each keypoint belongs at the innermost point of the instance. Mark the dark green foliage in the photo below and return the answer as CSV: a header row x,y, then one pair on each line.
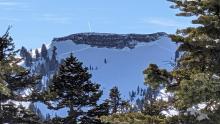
x,y
147,101
44,53
23,52
156,77
132,118
195,79
114,99
13,80
100,110
27,56
6,46
53,62
18,114
56,120
28,59
125,106
71,87
132,95
15,77
37,54
152,105
200,62
89,120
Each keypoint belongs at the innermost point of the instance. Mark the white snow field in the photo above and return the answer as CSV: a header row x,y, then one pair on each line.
x,y
124,67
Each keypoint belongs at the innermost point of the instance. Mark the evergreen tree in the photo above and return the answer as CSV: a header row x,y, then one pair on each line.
x,y
44,53
6,46
114,99
94,115
105,61
140,104
13,80
71,87
53,62
132,95
125,106
195,79
28,59
138,90
147,101
152,105
37,54
14,114
26,55
155,77
198,67
100,110
23,52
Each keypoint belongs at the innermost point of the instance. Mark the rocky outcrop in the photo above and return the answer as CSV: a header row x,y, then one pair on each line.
x,y
109,40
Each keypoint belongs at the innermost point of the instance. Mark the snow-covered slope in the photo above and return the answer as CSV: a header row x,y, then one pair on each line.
x,y
113,59
124,66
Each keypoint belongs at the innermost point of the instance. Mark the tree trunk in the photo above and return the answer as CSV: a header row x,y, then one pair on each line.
x,y
73,115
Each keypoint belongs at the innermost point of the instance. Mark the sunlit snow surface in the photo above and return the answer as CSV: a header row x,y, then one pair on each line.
x,y
124,67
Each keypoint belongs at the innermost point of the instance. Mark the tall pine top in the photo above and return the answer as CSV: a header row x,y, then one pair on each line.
x,y
73,86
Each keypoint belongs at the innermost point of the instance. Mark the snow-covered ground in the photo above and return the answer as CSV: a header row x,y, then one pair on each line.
x,y
124,67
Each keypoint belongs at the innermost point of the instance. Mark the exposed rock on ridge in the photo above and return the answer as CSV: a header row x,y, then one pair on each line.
x,y
110,40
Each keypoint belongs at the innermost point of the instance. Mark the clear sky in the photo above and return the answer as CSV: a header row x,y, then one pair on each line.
x,y
38,21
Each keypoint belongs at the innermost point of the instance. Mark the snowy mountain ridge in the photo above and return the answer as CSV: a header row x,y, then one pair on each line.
x,y
110,66
110,40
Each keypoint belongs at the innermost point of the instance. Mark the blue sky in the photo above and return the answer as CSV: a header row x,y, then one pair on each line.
x,y
38,21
